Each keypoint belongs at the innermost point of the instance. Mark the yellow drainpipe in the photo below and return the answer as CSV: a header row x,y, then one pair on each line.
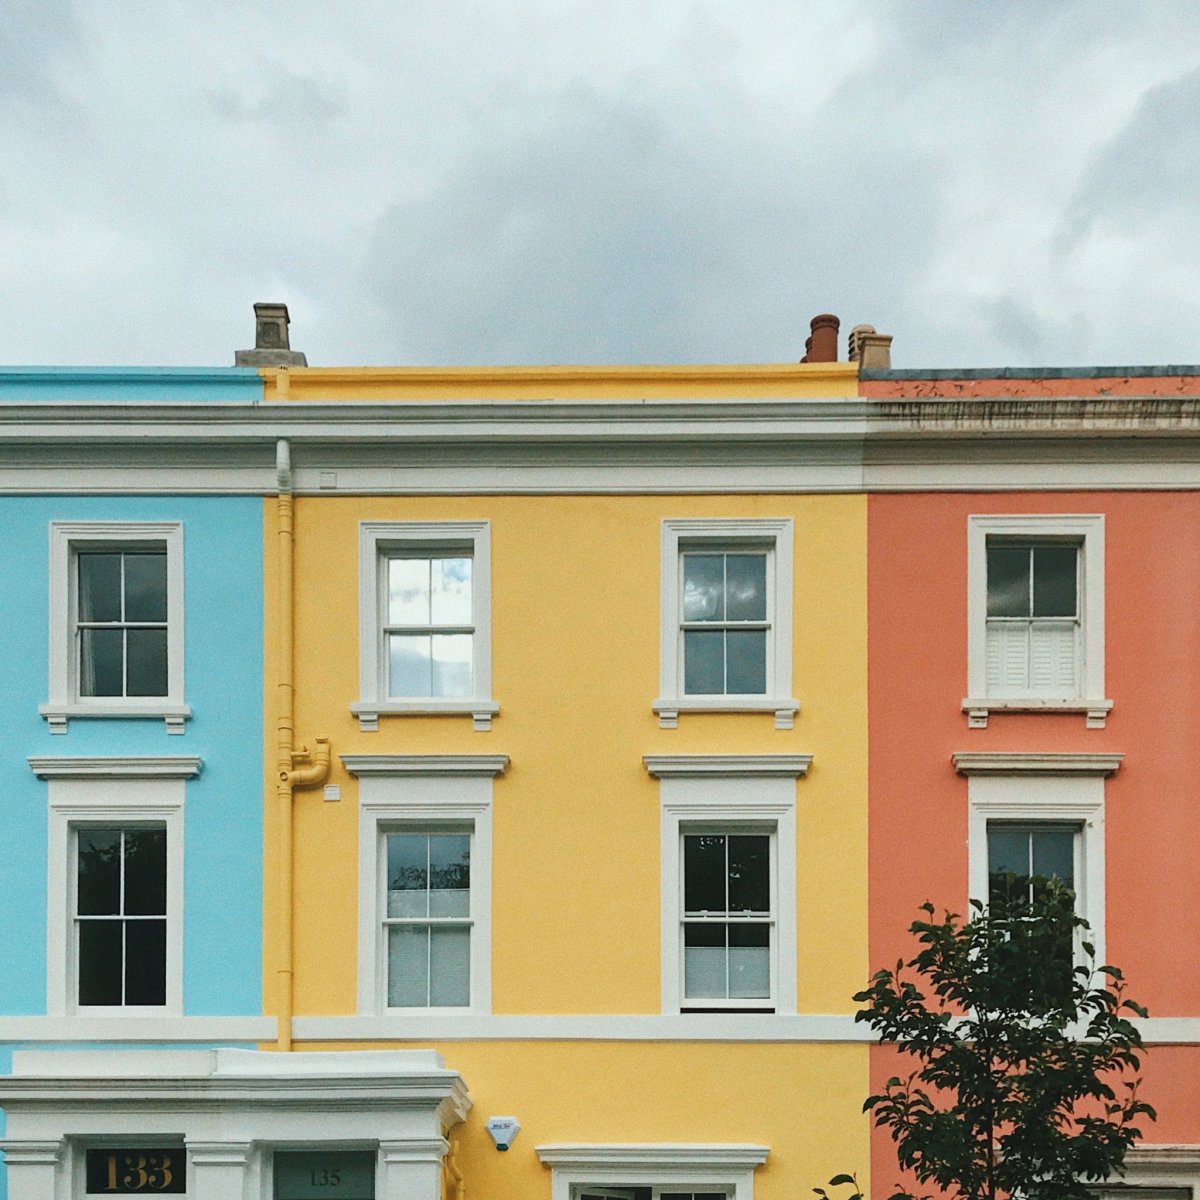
x,y
290,775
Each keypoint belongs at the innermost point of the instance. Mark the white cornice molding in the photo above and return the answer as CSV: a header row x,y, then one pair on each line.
x,y
651,446
1166,1157
904,418
649,1155
727,766
829,1028
1004,762
173,766
227,1078
425,764
141,1030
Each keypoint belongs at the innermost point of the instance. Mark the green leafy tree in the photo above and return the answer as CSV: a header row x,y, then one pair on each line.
x,y
1026,1077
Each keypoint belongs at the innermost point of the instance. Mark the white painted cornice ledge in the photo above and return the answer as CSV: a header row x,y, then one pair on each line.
x,y
141,1030
173,766
1166,1157
1002,762
661,1027
425,764
727,766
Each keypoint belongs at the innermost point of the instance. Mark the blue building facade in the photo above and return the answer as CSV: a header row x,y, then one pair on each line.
x,y
131,704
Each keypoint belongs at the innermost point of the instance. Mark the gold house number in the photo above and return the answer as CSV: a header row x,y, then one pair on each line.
x,y
133,1172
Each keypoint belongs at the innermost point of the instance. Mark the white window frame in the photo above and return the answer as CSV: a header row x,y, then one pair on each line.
x,y
1049,789
67,538
110,793
416,792
1086,531
739,793
376,540
1156,1172
705,1167
771,533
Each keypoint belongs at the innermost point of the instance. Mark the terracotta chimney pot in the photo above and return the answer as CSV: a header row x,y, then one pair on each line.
x,y
823,345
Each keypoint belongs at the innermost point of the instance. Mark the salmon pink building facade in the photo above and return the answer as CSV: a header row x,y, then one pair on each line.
x,y
1033,660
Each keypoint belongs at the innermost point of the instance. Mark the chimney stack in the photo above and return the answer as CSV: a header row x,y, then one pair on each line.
x,y
271,345
871,350
822,346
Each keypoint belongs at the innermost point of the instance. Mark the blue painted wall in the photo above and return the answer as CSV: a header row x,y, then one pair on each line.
x,y
223,670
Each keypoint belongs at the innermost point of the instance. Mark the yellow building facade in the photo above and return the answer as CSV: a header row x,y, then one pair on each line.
x,y
589,649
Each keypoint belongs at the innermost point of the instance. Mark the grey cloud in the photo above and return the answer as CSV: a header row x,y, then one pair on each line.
x,y
1011,321
289,101
1150,168
33,36
607,235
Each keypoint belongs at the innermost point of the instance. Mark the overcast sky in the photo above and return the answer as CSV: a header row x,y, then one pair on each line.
x,y
995,182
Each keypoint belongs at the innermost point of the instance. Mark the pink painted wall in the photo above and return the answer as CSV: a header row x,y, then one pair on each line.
x,y
917,656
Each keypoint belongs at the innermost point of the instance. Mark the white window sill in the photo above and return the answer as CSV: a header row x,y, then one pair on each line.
x,y
978,709
57,715
128,1012
784,708
480,711
426,1012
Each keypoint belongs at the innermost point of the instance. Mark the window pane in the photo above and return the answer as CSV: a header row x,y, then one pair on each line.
x,y
99,871
749,873
99,587
450,967
1008,863
408,591
749,962
1008,850
145,962
147,662
146,871
746,587
1054,854
747,653
100,662
408,881
704,873
99,962
1054,579
703,663
145,587
451,664
1007,580
408,966
409,667
703,587
451,591
450,875
704,962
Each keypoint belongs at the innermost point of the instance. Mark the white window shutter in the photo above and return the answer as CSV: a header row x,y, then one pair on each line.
x,y
1053,658
1007,657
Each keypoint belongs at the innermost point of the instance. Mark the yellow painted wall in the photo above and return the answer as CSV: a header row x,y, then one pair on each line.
x,y
804,1101
575,647
745,382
